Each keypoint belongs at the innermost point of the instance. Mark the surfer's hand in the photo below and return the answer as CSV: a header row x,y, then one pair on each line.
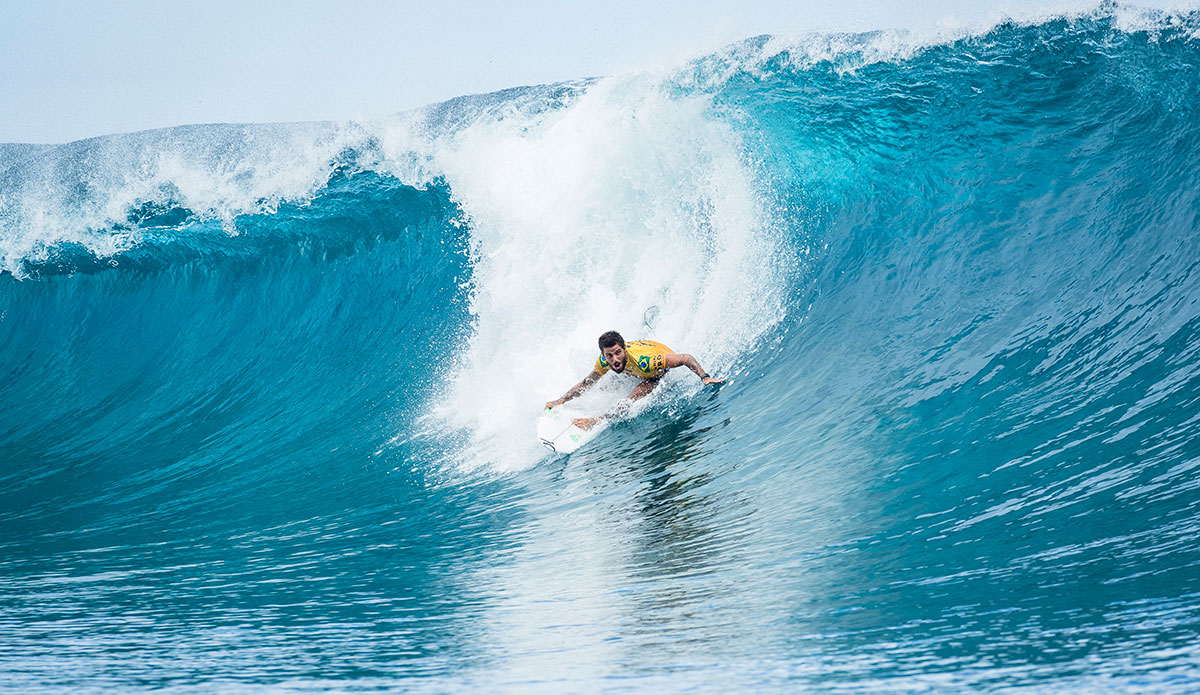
x,y
709,380
552,404
585,423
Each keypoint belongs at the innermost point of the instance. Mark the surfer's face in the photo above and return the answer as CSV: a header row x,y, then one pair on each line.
x,y
615,356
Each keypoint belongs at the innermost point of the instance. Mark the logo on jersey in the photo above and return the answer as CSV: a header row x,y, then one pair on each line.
x,y
644,363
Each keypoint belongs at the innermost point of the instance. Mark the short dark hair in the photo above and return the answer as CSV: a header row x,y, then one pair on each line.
x,y
610,339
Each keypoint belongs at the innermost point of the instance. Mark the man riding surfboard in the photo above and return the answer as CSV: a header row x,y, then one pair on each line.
x,y
646,359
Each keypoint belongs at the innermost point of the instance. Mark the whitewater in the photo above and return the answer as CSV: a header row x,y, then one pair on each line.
x,y
268,392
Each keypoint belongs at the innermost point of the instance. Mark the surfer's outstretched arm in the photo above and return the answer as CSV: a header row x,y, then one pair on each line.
x,y
685,360
640,391
576,390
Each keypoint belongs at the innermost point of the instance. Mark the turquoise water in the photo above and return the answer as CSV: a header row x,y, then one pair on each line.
x,y
269,392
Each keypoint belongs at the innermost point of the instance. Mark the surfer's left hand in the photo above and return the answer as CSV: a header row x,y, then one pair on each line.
x,y
585,423
709,380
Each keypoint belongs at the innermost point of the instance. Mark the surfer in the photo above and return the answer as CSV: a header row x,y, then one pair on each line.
x,y
646,359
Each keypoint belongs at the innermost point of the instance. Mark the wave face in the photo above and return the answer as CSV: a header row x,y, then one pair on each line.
x,y
269,391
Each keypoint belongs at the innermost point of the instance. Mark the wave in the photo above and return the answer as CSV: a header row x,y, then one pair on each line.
x,y
951,276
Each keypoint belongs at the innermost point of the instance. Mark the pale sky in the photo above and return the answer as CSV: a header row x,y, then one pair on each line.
x,y
75,69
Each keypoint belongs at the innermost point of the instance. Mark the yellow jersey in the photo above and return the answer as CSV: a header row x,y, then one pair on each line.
x,y
645,359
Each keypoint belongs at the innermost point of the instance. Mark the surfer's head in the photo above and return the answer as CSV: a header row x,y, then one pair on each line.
x,y
612,346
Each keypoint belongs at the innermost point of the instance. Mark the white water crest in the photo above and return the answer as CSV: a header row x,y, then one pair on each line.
x,y
83,192
581,221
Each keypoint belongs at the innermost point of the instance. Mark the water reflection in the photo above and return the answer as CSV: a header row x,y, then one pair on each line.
x,y
616,567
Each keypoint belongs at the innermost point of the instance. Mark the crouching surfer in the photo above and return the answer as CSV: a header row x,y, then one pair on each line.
x,y
645,359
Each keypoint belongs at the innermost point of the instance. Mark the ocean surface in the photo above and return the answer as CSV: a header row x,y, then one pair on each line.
x,y
268,393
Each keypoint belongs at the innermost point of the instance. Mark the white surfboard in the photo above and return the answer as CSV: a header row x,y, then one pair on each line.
x,y
558,433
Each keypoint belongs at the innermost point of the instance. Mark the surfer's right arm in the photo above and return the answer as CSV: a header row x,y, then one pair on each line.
x,y
576,390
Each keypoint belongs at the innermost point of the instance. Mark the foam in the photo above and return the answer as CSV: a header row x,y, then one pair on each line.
x,y
582,220
83,192
849,47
